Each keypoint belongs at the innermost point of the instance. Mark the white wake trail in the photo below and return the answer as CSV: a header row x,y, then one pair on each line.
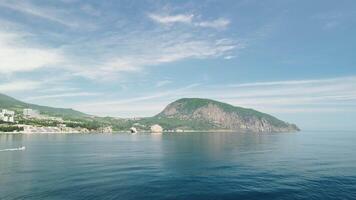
x,y
14,149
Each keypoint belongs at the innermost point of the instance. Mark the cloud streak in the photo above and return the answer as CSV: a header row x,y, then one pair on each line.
x,y
17,57
170,19
30,9
217,24
302,96
189,19
51,14
63,95
112,55
155,48
19,85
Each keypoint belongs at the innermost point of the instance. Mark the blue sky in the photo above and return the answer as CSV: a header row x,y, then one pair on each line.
x,y
293,59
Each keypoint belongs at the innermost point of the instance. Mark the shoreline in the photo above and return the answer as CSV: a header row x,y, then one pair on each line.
x,y
143,132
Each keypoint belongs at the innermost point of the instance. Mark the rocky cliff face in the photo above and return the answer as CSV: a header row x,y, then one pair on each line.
x,y
225,116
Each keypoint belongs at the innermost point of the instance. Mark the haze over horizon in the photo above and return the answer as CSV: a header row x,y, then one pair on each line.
x,y
292,59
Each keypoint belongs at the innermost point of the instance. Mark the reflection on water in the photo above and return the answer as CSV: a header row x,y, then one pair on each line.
x,y
306,165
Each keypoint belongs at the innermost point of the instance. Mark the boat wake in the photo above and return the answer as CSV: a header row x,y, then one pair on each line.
x,y
14,149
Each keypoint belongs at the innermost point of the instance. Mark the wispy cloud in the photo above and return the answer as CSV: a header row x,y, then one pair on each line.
x,y
30,9
59,89
189,19
331,20
169,19
154,49
148,103
156,95
90,10
217,24
63,95
163,83
117,54
303,96
294,82
332,94
17,56
19,85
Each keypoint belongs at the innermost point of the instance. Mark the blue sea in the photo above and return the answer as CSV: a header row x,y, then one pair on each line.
x,y
305,165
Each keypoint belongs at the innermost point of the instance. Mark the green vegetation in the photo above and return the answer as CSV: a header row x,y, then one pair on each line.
x,y
188,105
71,118
203,114
18,106
182,118
172,124
10,128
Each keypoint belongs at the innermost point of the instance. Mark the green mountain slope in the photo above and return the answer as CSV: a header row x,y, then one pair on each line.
x,y
196,113
8,102
185,114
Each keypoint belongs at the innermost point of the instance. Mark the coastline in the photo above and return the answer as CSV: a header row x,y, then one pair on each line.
x,y
143,132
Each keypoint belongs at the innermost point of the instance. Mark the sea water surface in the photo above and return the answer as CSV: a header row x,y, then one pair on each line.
x,y
304,165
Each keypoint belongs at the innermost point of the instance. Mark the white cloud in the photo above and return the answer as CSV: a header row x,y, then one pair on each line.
x,y
67,17
134,109
19,85
163,83
17,57
169,19
63,95
329,95
302,96
116,55
229,57
295,82
146,105
151,49
220,23
217,24
331,20
59,89
89,9
309,110
44,13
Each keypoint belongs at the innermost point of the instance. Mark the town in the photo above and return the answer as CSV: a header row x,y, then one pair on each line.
x,y
32,121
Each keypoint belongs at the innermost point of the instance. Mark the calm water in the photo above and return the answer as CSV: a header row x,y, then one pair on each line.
x,y
305,165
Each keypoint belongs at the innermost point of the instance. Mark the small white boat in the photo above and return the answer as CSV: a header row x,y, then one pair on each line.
x,y
22,148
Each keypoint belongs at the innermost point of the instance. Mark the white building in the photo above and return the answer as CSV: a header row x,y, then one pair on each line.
x,y
156,129
133,130
29,113
107,129
7,115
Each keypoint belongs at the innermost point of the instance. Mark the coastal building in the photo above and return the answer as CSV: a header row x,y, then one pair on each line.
x,y
107,129
30,113
7,115
58,119
156,129
30,129
133,130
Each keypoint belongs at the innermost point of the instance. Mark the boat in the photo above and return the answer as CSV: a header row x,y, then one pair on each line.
x,y
22,148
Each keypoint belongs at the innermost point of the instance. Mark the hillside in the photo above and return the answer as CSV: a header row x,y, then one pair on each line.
x,y
203,114
185,114
8,102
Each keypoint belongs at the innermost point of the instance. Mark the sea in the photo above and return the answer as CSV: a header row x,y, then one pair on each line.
x,y
305,165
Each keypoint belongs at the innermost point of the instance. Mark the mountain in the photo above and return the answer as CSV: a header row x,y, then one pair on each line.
x,y
186,114
10,103
203,114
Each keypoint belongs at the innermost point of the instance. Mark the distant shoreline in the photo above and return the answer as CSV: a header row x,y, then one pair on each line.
x,y
141,132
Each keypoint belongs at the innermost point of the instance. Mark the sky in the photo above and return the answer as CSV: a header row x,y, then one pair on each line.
x,y
129,58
